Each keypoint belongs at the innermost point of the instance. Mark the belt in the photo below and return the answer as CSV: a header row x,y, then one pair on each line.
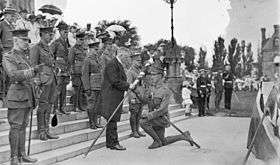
x,y
228,81
203,86
59,58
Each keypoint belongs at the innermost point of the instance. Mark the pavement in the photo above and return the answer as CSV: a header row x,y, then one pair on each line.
x,y
223,141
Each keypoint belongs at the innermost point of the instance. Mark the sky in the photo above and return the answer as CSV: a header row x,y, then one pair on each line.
x,y
197,22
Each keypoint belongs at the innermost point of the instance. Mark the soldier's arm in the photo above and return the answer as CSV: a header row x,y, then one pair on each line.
x,y
114,79
71,57
163,108
85,75
34,55
14,74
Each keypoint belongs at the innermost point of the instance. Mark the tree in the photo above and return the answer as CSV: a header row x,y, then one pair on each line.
x,y
201,60
219,54
260,61
244,58
234,54
189,57
131,31
249,59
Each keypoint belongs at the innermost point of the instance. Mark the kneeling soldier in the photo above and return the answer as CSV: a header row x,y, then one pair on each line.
x,y
91,79
20,100
154,121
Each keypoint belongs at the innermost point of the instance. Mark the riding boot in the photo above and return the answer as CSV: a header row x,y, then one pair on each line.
x,y
48,115
91,119
14,143
41,124
132,120
22,155
150,131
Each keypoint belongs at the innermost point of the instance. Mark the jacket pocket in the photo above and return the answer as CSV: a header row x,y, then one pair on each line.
x,y
18,94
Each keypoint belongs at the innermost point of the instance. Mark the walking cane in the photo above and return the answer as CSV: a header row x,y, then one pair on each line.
x,y
103,129
257,130
30,131
188,137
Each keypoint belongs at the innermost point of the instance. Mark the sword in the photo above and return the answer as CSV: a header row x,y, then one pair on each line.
x,y
235,95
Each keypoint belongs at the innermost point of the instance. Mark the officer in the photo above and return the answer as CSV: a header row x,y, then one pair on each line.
x,y
42,54
77,55
228,78
6,44
202,92
209,88
60,51
218,84
91,78
135,105
20,96
153,121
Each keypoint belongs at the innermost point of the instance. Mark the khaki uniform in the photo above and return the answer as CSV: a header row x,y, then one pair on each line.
x,y
77,55
135,105
91,78
42,54
60,50
155,123
20,99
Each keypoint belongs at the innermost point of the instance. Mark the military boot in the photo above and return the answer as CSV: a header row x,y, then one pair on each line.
x,y
132,120
22,155
157,142
14,144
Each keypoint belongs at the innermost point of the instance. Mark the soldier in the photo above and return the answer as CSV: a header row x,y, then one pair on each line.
x,y
218,84
228,86
76,58
153,121
60,50
91,78
6,44
202,92
42,54
20,97
135,105
209,87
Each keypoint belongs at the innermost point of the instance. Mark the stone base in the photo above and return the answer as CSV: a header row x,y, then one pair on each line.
x,y
175,85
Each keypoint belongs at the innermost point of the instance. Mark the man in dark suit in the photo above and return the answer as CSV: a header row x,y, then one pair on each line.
x,y
112,92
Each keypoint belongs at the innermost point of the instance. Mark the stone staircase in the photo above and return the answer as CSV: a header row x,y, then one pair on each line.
x,y
75,136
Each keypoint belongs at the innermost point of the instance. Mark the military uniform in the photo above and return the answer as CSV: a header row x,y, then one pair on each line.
x,y
20,100
154,121
91,78
77,56
218,83
209,88
135,105
228,86
42,54
60,50
202,92
107,54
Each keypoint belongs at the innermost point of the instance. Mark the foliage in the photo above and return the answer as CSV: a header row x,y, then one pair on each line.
x,y
131,31
219,54
201,60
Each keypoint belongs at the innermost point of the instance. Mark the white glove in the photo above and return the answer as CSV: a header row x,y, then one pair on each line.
x,y
133,85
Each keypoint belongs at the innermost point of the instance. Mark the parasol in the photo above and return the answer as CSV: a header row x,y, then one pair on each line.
x,y
116,28
51,9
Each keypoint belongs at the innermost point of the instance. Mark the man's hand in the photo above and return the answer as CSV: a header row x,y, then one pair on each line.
x,y
133,85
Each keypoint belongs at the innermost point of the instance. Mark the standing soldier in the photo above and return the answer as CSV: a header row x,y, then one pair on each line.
x,y
6,44
218,84
201,91
60,50
135,105
91,78
228,86
41,54
209,87
76,58
154,121
20,97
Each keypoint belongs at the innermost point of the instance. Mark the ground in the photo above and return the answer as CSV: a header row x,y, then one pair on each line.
x,y
223,142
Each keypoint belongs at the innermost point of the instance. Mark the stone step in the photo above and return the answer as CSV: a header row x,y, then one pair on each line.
x,y
67,123
68,152
71,138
